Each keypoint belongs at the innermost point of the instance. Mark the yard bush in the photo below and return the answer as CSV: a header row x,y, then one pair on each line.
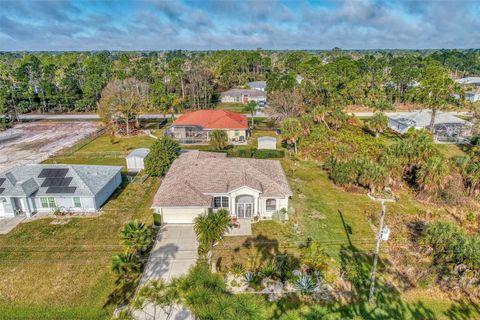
x,y
157,219
268,154
162,153
240,153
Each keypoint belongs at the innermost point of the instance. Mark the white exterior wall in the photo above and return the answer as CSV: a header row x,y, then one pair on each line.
x,y
268,144
135,163
241,132
179,214
107,190
6,208
281,203
88,204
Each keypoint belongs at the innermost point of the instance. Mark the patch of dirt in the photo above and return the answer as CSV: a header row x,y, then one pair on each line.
x,y
34,142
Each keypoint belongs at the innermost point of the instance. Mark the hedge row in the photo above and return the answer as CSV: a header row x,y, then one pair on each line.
x,y
255,153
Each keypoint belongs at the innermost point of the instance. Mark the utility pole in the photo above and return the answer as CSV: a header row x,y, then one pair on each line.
x,y
375,259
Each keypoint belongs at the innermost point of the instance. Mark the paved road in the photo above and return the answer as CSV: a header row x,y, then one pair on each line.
x,y
369,114
174,252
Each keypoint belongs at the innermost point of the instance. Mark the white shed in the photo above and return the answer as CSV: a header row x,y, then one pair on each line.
x,y
136,158
266,142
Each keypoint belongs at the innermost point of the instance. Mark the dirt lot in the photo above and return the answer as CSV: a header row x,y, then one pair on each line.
x,y
34,142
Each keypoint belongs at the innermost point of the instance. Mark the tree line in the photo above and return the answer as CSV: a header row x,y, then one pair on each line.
x,y
73,81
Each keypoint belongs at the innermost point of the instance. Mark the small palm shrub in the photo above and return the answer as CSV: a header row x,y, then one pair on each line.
x,y
305,283
136,236
237,268
268,270
126,264
249,277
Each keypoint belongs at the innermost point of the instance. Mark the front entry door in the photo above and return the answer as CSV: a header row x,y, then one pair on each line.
x,y
244,210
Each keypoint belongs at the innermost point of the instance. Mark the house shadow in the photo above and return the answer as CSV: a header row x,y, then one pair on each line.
x,y
356,265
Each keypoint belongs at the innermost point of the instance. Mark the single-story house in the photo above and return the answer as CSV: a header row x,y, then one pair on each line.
x,y
269,143
469,81
243,96
258,85
135,159
32,188
195,127
198,182
448,128
472,96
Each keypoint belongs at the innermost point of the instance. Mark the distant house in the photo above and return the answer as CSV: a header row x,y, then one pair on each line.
x,y
243,96
448,128
199,182
269,143
34,188
195,127
135,159
472,83
258,85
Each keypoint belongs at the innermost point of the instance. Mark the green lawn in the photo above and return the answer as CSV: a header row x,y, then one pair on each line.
x,y
234,106
342,221
63,271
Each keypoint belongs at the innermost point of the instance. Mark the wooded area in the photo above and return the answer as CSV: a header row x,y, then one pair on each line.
x,y
176,80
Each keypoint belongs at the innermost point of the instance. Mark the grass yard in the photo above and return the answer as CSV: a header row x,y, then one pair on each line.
x,y
63,271
235,107
342,222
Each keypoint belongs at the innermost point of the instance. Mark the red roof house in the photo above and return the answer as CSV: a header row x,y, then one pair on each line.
x,y
194,127
213,119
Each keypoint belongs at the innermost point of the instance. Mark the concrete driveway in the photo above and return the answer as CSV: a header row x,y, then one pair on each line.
x,y
7,224
174,252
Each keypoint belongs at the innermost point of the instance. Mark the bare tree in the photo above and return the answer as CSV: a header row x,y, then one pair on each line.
x,y
122,100
284,104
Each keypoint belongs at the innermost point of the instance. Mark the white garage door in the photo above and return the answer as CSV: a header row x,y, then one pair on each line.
x,y
2,210
180,215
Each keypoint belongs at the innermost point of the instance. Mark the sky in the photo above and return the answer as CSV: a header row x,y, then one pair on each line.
x,y
60,25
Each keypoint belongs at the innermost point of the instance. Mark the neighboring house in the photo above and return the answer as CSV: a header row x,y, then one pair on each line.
x,y
135,159
266,142
195,127
258,85
470,83
32,188
472,96
198,182
243,96
448,128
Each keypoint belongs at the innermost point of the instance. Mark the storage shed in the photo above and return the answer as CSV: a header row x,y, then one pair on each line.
x,y
136,158
266,142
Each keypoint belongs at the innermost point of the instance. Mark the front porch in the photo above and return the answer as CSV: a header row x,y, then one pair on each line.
x,y
240,227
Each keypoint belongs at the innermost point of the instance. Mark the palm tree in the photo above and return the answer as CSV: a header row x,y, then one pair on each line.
x,y
136,236
373,176
251,108
292,131
219,139
126,265
377,123
432,174
319,112
211,227
159,294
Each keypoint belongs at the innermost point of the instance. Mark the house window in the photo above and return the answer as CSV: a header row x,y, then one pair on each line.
x,y
271,204
237,133
48,202
220,202
77,203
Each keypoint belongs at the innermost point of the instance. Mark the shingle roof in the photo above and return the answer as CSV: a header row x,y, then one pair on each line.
x,y
213,119
141,153
210,173
87,180
257,84
241,92
469,80
421,118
